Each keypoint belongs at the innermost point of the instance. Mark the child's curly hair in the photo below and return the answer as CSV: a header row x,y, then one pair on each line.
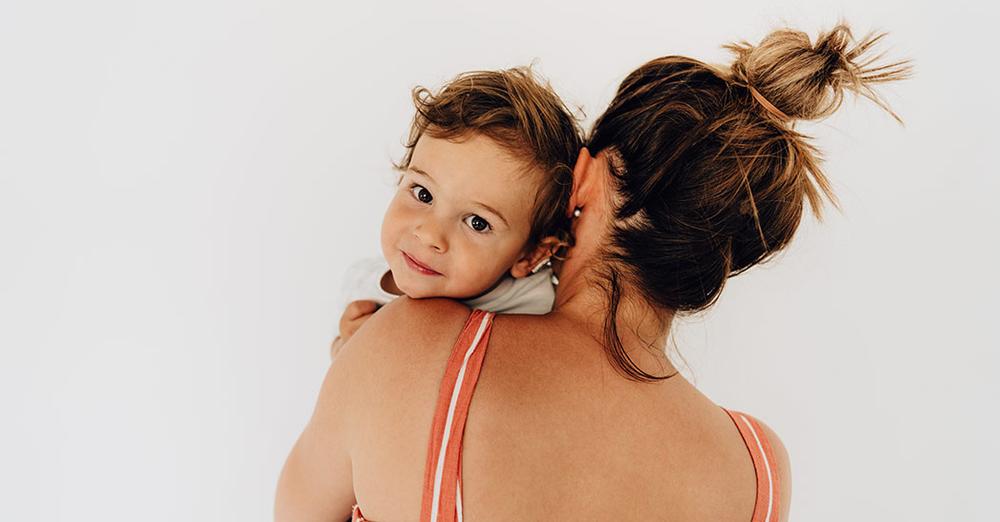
x,y
521,114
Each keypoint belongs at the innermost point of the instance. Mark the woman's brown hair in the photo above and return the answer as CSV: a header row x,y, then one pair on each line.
x,y
521,114
710,174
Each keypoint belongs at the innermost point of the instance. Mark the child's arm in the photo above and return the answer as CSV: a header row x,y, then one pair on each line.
x,y
355,315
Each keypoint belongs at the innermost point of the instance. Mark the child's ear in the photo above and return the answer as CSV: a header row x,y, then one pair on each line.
x,y
524,265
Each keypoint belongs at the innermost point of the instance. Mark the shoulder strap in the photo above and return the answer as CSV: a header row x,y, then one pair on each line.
x,y
766,507
442,501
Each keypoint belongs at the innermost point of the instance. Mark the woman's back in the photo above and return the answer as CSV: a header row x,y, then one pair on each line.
x,y
694,174
552,432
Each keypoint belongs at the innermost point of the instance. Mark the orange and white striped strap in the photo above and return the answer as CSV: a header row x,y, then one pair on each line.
x,y
442,501
768,488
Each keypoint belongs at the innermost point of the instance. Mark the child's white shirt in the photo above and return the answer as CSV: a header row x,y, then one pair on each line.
x,y
533,294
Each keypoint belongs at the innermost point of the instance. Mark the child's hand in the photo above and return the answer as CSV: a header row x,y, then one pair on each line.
x,y
355,315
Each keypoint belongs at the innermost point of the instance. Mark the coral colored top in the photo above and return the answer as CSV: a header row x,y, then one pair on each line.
x,y
442,501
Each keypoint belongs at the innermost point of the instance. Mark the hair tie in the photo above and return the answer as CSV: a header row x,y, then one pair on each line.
x,y
768,106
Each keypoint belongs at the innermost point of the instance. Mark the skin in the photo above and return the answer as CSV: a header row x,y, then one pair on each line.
x,y
438,217
553,432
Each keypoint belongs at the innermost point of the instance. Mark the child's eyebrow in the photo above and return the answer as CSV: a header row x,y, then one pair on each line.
x,y
418,171
494,211
476,203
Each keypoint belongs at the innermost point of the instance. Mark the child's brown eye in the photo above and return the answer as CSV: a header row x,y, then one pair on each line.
x,y
423,195
477,223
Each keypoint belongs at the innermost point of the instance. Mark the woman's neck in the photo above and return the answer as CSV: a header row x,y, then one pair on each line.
x,y
582,297
583,301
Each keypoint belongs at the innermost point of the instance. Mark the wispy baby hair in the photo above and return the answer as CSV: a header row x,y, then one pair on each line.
x,y
523,115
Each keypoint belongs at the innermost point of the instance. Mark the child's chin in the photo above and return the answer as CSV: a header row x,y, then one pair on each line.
x,y
416,293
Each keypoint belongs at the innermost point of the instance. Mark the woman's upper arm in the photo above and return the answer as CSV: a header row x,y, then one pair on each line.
x,y
316,482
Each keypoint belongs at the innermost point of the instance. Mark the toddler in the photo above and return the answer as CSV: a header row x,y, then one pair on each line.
x,y
480,205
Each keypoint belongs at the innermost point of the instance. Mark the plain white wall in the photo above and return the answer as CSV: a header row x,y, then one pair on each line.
x,y
183,183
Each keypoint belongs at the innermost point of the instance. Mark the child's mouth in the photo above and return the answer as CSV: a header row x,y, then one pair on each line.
x,y
417,266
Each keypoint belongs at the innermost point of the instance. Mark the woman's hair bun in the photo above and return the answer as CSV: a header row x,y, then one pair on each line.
x,y
711,177
807,81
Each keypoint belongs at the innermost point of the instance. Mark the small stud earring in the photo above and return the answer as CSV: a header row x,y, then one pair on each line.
x,y
576,212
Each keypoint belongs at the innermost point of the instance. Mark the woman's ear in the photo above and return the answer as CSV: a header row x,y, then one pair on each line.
x,y
582,180
523,266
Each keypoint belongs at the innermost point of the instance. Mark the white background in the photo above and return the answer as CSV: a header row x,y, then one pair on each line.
x,y
183,183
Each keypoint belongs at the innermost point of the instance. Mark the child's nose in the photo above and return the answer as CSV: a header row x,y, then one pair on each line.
x,y
431,235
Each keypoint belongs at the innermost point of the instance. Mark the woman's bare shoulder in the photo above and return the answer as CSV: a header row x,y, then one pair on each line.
x,y
408,329
403,333
783,469
779,462
415,320
390,373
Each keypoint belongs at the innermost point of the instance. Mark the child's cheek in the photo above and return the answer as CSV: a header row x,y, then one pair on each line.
x,y
392,226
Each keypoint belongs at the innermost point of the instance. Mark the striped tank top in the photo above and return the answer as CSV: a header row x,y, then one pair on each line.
x,y
442,500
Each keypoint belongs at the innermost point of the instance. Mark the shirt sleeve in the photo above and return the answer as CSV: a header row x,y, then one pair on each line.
x,y
362,281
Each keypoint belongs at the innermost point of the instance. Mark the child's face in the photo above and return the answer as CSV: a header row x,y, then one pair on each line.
x,y
439,217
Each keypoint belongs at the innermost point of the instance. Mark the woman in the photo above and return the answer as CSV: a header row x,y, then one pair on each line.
x,y
693,174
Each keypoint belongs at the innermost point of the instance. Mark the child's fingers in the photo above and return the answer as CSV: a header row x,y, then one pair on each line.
x,y
335,347
352,325
359,308
356,314
355,310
